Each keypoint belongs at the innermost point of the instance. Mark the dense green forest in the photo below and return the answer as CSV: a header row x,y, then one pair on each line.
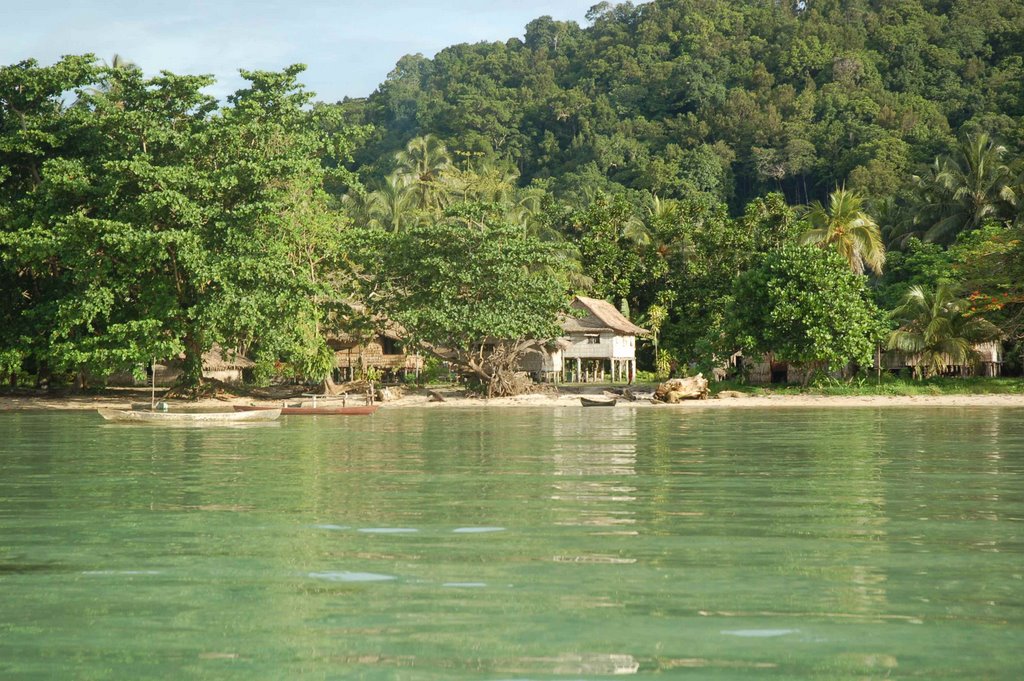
x,y
815,179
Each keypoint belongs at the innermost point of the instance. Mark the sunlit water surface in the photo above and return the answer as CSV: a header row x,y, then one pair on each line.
x,y
516,544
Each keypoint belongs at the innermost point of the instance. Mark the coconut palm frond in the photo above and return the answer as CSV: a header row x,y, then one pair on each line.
x,y
905,341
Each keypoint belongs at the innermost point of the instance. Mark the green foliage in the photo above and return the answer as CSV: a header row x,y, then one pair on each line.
x,y
937,326
962,191
845,227
466,282
990,264
887,385
650,157
918,264
678,97
806,307
150,222
608,238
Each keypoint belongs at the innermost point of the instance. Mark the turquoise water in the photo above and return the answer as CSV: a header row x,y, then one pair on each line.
x,y
516,544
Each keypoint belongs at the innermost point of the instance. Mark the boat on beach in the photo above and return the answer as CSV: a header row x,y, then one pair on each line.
x,y
598,401
189,417
312,411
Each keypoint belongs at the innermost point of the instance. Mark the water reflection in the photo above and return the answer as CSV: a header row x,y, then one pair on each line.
x,y
593,456
460,544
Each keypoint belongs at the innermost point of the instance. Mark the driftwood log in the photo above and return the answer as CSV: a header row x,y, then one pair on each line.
x,y
677,389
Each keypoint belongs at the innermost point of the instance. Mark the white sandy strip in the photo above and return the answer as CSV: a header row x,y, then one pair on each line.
x,y
564,400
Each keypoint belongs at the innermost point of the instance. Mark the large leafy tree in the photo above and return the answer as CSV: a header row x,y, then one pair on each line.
x,y
990,264
35,129
170,226
805,306
470,288
935,325
614,249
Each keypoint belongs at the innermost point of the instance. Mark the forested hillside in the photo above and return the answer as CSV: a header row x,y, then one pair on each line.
x,y
673,145
734,98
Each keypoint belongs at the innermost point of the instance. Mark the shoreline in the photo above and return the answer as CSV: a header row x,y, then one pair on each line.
x,y
563,400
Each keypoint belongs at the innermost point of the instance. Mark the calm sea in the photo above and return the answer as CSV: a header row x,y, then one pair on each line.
x,y
484,544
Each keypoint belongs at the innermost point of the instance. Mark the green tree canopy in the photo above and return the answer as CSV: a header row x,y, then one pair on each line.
x,y
805,306
470,288
169,225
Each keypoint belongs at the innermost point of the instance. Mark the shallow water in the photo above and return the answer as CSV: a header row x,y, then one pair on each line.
x,y
516,544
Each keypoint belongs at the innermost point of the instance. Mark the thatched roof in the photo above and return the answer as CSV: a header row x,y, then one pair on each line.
x,y
600,316
368,328
218,359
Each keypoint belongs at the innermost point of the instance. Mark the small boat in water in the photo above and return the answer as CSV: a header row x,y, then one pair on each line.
x,y
313,411
189,417
595,401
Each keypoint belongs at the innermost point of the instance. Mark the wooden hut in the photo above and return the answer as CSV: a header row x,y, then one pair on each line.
x,y
988,361
382,351
599,342
219,364
225,366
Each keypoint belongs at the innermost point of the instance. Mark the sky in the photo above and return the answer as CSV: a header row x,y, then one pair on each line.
x,y
349,46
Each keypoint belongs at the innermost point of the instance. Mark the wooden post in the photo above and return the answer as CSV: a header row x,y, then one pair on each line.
x,y
878,363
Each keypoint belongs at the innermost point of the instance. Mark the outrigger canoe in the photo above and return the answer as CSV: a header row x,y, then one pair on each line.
x,y
187,417
313,411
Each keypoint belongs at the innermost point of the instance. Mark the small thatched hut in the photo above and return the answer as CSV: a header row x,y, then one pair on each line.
x,y
382,351
218,364
988,361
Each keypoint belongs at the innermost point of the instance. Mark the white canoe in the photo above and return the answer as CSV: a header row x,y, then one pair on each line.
x,y
209,417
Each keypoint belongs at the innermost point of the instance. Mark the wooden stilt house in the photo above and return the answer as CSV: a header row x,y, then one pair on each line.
x,y
598,344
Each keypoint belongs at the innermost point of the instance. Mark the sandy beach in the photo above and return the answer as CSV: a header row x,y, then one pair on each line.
x,y
456,400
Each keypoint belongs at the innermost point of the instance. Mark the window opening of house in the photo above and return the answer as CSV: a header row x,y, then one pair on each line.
x,y
593,339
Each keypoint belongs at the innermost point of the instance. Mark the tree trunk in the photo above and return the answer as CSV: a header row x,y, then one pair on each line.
x,y
192,370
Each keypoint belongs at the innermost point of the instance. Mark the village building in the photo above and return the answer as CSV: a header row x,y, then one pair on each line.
x,y
599,342
766,370
988,361
383,351
226,366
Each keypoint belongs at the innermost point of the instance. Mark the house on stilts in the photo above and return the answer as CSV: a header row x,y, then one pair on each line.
x,y
599,342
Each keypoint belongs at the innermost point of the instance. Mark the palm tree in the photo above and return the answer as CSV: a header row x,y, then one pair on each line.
x,y
487,180
962,191
363,208
395,202
937,327
846,227
110,87
424,160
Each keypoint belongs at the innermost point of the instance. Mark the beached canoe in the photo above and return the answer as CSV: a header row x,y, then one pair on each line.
x,y
186,417
597,401
314,411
